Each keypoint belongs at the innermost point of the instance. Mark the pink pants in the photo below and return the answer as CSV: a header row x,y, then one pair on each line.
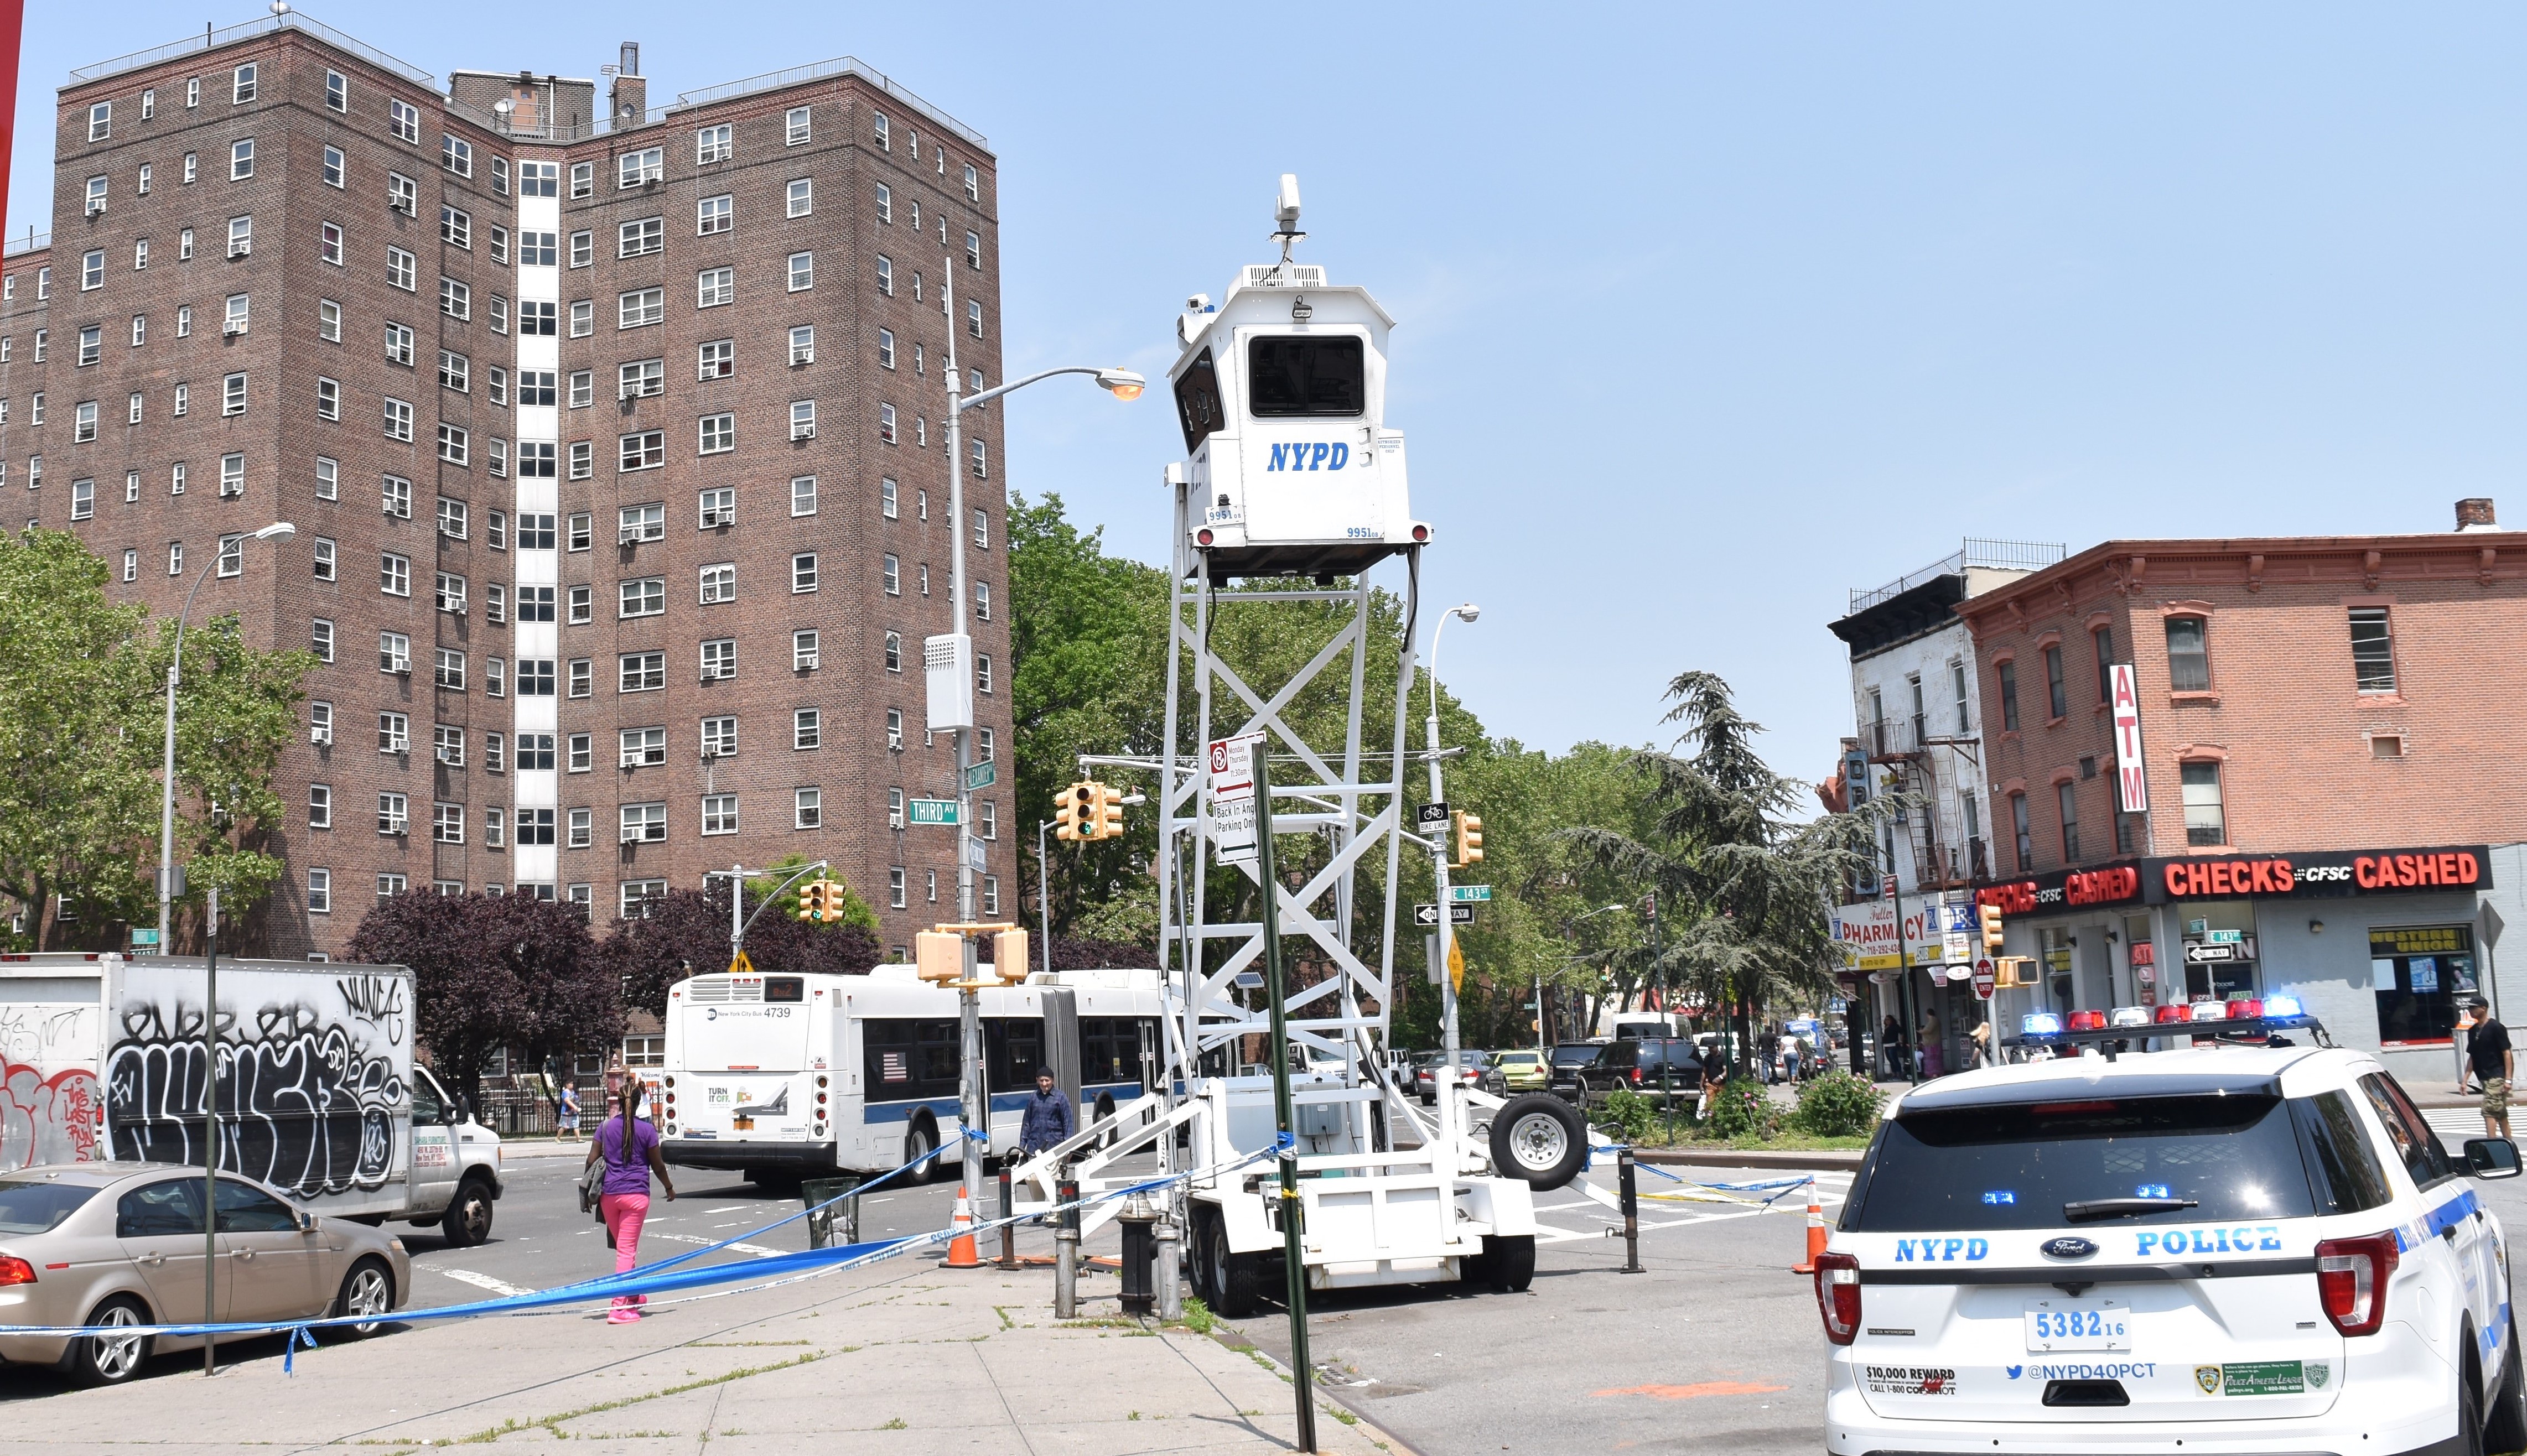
x,y
625,1213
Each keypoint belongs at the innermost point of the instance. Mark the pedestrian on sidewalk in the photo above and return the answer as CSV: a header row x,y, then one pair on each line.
x,y
566,1119
1982,1042
1049,1120
2486,1051
629,1146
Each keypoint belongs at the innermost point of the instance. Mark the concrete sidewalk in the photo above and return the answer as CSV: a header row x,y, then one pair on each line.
x,y
903,1358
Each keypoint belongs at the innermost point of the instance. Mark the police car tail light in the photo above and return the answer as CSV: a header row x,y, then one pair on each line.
x,y
2087,1020
2245,1008
2167,1014
2038,1023
2209,1011
1837,1291
2130,1016
2351,1277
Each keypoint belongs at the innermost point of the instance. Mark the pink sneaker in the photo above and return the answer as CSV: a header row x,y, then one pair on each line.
x,y
624,1317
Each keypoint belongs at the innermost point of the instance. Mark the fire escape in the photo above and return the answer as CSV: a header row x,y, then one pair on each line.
x,y
1942,856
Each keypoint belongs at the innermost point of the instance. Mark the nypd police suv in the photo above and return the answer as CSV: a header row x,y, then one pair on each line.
x,y
2221,1248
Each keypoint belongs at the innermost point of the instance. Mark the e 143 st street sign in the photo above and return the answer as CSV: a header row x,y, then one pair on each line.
x,y
1429,915
932,811
1462,893
982,775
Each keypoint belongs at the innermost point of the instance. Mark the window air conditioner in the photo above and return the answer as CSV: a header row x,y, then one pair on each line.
x,y
95,207
400,831
714,673
458,609
402,670
240,248
320,734
802,432
233,326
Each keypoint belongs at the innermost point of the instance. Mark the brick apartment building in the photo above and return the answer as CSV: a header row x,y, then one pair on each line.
x,y
610,438
2326,725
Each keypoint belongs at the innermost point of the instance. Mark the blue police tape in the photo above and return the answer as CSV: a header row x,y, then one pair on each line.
x,y
1783,1184
772,1269
891,1173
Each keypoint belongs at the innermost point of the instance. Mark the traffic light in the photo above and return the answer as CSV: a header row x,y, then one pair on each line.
x,y
1106,810
813,902
939,955
1071,813
1989,915
1009,955
1470,839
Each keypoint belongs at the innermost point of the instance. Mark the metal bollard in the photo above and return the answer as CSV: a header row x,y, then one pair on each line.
x,y
1140,1253
1009,1230
1631,1212
1170,1273
1066,1252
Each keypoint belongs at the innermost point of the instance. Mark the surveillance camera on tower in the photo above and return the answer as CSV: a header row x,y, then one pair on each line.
x,y
1281,393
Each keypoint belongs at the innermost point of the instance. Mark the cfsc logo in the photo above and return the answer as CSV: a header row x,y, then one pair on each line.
x,y
1304,456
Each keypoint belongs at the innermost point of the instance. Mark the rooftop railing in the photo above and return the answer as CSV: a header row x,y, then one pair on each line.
x,y
212,40
2007,556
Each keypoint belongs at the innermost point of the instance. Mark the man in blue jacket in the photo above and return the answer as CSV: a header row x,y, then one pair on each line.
x,y
1048,1119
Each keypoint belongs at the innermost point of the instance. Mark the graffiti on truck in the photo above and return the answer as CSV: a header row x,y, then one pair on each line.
x,y
309,1096
48,1096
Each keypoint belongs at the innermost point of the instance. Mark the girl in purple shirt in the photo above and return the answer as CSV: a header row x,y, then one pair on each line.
x,y
629,1146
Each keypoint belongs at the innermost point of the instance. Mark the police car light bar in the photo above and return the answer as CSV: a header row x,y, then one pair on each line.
x,y
2044,1029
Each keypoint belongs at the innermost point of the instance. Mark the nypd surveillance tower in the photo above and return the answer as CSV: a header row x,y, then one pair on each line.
x,y
1293,491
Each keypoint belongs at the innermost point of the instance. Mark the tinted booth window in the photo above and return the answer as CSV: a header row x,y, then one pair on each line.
x,y
1305,376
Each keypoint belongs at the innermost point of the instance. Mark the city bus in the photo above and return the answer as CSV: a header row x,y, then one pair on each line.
x,y
787,1076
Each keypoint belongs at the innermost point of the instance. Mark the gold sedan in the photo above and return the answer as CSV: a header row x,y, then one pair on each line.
x,y
1515,1072
121,1245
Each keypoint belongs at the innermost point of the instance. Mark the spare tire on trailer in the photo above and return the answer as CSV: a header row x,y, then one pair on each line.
x,y
1540,1139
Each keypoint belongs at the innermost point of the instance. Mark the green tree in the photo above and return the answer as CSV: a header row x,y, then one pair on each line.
x,y
1743,888
82,694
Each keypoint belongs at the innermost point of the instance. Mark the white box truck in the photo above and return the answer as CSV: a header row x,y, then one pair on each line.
x,y
101,1059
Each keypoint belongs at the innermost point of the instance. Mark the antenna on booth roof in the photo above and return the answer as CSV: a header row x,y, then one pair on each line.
x,y
1285,211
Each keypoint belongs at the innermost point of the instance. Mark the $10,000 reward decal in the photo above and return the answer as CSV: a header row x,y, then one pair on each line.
x,y
1911,1379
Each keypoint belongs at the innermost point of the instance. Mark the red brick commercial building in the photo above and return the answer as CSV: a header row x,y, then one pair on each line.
x,y
609,436
2317,732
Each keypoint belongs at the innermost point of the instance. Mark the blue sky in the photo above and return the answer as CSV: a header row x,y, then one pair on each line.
x,y
1708,314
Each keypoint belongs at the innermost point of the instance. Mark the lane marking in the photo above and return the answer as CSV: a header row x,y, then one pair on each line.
x,y
742,1248
732,1208
1694,1391
485,1282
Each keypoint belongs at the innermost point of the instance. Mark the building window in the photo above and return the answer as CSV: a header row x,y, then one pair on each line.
x,y
453,444
894,807
973,183
991,894
717,360
323,559
974,318
2102,641
641,747
241,158
719,583
534,676
2008,672
894,893
448,744
803,572
641,671
802,271
2024,832
82,499
448,824
803,345
2205,818
2188,658
320,891
641,379
714,215
640,237
719,658
886,430
2067,800
320,641
456,372
583,826
583,605
396,494
398,421
2057,695
329,399
973,250
646,596
455,299
794,125
450,670
718,433
803,651
645,450
633,169
583,178
456,228
636,309
717,506
646,523
394,574
807,728
719,814
894,652
539,320
644,824
2373,650
803,197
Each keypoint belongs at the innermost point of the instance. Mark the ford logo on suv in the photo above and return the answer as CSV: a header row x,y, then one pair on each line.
x,y
2068,1248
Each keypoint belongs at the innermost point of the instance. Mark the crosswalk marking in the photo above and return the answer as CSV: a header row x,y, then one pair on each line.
x,y
742,1248
486,1282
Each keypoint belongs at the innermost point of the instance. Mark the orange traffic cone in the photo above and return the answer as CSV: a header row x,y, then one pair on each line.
x,y
1816,1230
961,1253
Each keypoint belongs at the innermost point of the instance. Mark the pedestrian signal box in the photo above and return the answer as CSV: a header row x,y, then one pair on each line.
x,y
1281,393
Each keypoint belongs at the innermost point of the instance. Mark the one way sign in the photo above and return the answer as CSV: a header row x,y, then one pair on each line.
x,y
1429,915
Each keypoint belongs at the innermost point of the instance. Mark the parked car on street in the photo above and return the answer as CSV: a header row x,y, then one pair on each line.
x,y
1427,1075
1649,1066
121,1243
1515,1072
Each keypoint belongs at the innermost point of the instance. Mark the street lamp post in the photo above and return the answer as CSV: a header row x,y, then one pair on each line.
x,y
1124,384
1446,937
279,531
1566,959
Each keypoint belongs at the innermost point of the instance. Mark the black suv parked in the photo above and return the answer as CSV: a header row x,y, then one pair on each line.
x,y
1646,1066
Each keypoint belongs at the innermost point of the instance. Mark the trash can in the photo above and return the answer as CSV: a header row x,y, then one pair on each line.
x,y
824,1222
